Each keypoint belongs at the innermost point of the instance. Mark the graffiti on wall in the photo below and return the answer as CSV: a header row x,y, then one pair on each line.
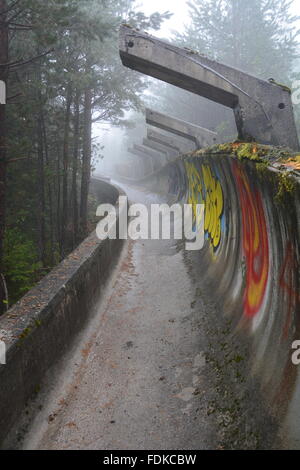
x,y
255,242
214,206
205,188
288,282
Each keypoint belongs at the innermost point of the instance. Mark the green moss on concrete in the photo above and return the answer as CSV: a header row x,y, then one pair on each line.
x,y
262,168
250,151
281,85
25,333
286,187
284,160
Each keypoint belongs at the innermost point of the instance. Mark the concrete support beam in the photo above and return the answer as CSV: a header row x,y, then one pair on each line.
x,y
199,135
180,146
156,156
138,166
263,110
150,164
161,148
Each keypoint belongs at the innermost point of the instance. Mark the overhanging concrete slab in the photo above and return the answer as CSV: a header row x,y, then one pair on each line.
x,y
156,156
181,146
151,162
161,148
200,136
263,110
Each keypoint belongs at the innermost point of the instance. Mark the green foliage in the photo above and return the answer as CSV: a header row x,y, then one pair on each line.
x,y
258,36
286,186
59,50
21,263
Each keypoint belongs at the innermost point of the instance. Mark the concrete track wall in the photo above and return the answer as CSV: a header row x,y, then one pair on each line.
x,y
250,263
249,267
41,327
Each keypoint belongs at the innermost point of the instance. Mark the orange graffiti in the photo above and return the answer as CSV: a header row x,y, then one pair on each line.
x,y
292,164
255,243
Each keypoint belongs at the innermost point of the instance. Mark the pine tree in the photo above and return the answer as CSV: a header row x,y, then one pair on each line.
x,y
3,77
65,74
257,36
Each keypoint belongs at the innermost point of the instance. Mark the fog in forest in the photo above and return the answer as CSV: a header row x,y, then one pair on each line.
x,y
277,28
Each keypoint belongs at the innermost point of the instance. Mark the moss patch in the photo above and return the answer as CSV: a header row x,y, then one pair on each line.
x,y
286,187
251,151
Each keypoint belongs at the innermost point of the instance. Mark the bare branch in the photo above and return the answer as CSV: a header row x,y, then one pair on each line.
x,y
20,63
13,160
10,8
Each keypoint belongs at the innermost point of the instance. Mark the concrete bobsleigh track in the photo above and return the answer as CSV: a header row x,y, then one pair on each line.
x,y
249,266
191,349
185,349
250,263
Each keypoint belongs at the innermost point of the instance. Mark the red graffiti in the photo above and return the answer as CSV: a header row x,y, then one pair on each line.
x,y
255,243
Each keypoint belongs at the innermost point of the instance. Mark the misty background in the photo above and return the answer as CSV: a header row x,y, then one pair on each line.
x,y
183,29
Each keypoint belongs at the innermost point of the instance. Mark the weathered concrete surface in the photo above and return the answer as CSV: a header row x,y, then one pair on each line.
x,y
250,265
181,146
200,136
41,326
249,268
170,153
103,190
137,377
263,111
156,156
153,161
193,349
141,376
146,165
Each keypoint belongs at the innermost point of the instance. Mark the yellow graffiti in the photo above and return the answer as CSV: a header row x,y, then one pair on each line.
x,y
213,206
195,189
206,190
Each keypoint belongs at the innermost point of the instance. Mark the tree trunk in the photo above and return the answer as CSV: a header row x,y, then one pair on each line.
x,y
3,77
65,215
58,200
74,201
86,161
41,193
50,193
